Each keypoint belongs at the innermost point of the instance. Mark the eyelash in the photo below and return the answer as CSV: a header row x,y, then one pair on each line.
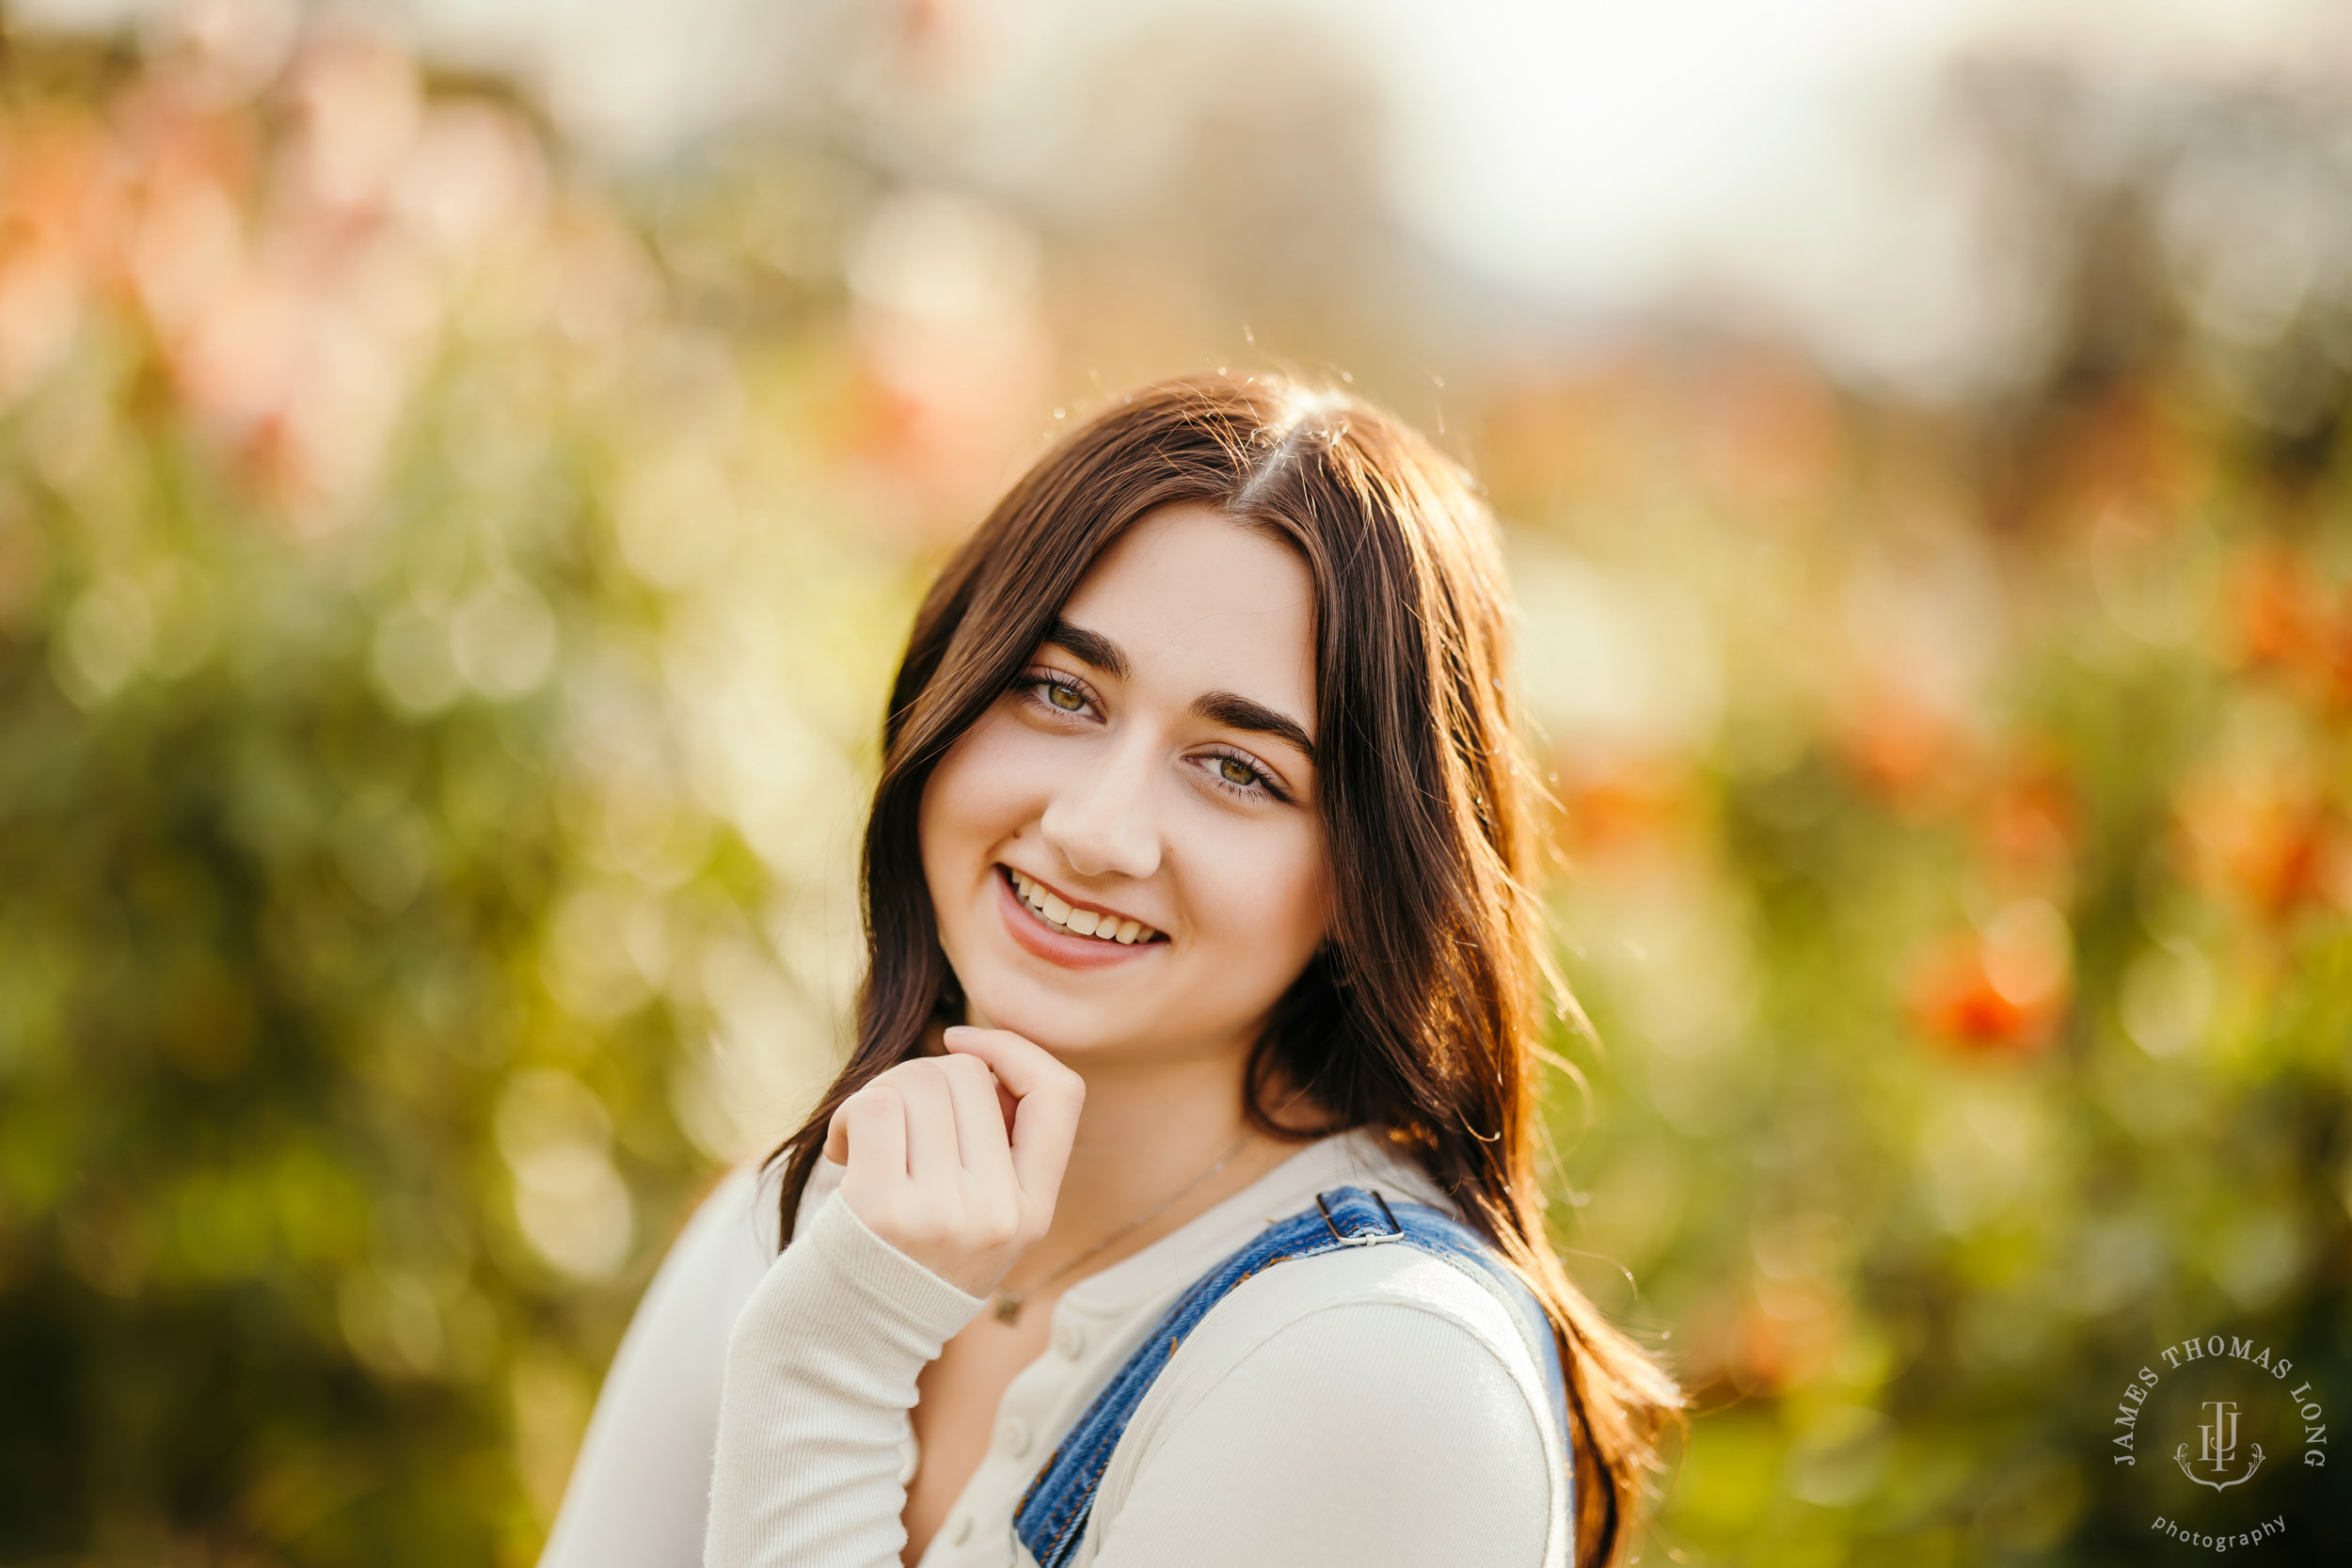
x,y
1035,682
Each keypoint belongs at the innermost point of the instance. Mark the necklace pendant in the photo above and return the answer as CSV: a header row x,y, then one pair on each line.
x,y
1008,1305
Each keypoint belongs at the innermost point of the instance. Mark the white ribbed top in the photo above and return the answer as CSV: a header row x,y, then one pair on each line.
x,y
1370,1407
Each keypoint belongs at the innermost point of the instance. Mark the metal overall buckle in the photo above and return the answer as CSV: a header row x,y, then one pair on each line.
x,y
1366,1238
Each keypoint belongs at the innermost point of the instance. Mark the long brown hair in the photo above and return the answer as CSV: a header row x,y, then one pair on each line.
x,y
1421,1013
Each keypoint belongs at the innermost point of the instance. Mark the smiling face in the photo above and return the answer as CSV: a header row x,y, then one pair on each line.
x,y
1124,852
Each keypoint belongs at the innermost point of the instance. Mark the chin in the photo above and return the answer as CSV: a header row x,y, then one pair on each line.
x,y
1063,1025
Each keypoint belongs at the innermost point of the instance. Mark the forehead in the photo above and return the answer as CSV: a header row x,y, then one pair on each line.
x,y
1196,598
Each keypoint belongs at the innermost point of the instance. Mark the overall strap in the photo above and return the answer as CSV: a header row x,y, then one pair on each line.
x,y
1052,1516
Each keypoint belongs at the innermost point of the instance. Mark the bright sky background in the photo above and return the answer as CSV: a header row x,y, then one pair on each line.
x,y
1598,157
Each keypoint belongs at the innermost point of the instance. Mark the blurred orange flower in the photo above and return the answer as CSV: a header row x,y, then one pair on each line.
x,y
1909,751
2273,841
2004,988
2280,614
1609,807
2028,829
56,208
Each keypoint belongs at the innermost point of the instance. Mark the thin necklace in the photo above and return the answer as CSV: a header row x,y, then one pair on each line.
x,y
1007,1301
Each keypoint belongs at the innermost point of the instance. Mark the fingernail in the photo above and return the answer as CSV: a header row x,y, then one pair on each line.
x,y
954,1029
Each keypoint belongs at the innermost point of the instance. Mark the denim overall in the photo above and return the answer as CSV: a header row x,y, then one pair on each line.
x,y
1052,1516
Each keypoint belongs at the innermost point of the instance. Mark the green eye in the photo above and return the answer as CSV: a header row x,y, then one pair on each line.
x,y
1236,773
1068,699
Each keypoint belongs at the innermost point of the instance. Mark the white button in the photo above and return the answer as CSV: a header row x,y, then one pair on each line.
x,y
1069,1339
1012,1437
959,1529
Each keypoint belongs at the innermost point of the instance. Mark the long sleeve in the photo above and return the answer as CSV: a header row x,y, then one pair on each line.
x,y
1370,1436
820,1374
640,1487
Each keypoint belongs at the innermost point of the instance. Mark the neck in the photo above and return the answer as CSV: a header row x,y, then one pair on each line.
x,y
1150,1132
1143,1136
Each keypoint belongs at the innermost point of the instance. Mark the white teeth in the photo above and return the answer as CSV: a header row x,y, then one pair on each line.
x,y
1085,923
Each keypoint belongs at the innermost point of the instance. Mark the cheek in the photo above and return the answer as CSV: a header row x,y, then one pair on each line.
x,y
974,800
1268,908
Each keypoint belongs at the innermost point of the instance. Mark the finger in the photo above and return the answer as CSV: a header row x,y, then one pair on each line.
x,y
871,1127
981,1131
1050,1097
837,1130
932,1148
1019,1063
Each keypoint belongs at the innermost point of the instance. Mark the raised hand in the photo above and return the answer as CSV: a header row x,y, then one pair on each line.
x,y
956,1160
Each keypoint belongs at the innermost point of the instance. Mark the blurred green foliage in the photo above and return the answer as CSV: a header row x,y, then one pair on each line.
x,y
445,600
352,830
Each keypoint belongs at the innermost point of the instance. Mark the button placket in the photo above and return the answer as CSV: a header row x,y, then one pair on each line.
x,y
1012,1437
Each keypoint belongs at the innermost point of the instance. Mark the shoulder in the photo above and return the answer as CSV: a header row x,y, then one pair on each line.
x,y
711,1268
1450,1338
735,1227
641,1484
1377,1371
706,1276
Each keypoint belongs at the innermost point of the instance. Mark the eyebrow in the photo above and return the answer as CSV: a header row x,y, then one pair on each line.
x,y
1237,712
1228,709
1092,647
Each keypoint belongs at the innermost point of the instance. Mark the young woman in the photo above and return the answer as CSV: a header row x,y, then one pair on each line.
x,y
1178,1203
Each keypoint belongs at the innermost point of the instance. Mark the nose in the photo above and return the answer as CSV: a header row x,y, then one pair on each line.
x,y
1100,818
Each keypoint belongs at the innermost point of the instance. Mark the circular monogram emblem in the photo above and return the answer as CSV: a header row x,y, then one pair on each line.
x,y
2223,1438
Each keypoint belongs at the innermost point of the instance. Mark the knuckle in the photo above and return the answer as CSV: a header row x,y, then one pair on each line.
x,y
995,1226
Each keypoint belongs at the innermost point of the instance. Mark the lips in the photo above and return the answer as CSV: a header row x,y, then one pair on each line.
x,y
1085,920
1055,942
